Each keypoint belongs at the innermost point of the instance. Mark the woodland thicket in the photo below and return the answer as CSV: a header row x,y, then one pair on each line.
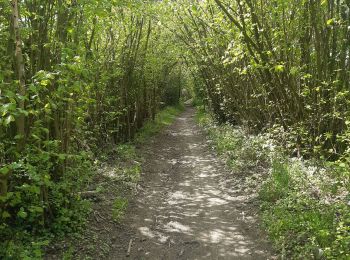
x,y
79,75
282,68
75,77
275,63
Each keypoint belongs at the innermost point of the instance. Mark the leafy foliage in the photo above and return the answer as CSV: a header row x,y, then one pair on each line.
x,y
76,78
281,68
304,204
273,64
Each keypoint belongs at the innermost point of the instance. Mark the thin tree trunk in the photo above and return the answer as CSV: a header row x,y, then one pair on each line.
x,y
20,73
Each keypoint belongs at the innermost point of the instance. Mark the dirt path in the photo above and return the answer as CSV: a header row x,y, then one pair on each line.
x,y
184,208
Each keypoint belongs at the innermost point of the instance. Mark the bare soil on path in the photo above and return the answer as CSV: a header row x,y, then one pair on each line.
x,y
188,204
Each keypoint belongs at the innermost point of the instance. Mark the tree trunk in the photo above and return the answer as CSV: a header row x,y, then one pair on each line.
x,y
20,73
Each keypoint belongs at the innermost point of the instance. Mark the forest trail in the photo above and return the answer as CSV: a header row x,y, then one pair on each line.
x,y
185,208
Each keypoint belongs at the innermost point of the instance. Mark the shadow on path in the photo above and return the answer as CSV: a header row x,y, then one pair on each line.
x,y
184,208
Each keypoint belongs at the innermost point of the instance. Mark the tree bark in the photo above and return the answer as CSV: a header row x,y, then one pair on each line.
x,y
20,73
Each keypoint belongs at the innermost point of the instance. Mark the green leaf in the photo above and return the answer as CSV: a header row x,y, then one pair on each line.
x,y
279,68
4,170
22,214
34,189
9,119
9,107
294,71
18,137
5,215
342,165
36,209
44,82
330,21
194,8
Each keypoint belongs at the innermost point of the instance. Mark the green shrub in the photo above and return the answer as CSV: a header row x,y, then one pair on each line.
x,y
303,206
33,204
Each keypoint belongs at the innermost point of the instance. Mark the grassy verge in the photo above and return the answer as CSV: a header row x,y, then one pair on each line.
x,y
305,205
164,118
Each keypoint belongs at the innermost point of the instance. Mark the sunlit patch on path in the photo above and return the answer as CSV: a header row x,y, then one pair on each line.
x,y
184,210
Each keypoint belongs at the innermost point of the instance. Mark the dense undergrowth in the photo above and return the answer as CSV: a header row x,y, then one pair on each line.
x,y
21,241
76,78
113,183
23,230
305,205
